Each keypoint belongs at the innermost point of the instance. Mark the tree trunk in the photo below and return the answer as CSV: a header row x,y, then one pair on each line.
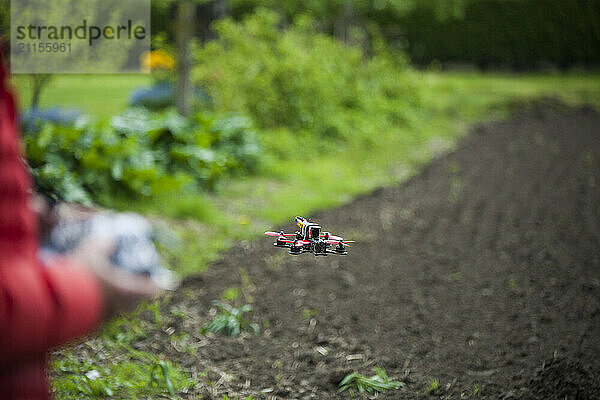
x,y
186,13
38,82
343,23
207,14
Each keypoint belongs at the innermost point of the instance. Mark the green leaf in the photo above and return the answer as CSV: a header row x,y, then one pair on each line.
x,y
376,383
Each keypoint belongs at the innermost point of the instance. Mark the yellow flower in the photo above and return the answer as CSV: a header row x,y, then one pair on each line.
x,y
157,59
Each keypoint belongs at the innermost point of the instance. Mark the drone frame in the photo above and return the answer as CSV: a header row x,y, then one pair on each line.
x,y
320,247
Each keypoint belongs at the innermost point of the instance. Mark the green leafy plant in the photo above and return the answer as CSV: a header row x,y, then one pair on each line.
x,y
476,390
138,154
231,294
230,320
376,383
162,368
434,386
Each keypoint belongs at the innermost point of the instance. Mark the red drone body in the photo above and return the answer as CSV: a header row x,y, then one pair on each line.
x,y
310,239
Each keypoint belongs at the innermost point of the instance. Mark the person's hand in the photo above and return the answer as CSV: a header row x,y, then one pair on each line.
x,y
123,290
43,212
48,216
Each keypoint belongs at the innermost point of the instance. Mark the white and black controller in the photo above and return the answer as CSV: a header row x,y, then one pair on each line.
x,y
134,236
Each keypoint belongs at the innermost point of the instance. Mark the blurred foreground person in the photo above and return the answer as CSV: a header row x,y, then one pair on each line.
x,y
45,304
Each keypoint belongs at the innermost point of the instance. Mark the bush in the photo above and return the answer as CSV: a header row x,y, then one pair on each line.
x,y
304,81
139,153
519,34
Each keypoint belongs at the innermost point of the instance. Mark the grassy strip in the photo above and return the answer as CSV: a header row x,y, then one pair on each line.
x,y
108,365
101,95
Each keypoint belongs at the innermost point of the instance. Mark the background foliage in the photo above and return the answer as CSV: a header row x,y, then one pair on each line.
x,y
487,33
136,153
513,33
303,81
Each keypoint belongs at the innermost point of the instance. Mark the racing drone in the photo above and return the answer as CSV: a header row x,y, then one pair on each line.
x,y
309,239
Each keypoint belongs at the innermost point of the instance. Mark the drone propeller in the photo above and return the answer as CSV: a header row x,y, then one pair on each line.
x,y
344,242
333,237
295,243
276,234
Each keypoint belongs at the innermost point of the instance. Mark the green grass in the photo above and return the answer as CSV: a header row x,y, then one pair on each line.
x,y
175,206
471,95
109,365
434,386
136,377
100,95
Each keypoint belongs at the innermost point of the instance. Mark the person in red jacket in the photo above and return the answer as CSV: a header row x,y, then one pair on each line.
x,y
43,306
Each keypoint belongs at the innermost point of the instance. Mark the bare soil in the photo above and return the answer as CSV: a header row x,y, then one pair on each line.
x,y
483,270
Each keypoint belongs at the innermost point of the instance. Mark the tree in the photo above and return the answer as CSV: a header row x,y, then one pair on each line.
x,y
185,29
38,83
186,12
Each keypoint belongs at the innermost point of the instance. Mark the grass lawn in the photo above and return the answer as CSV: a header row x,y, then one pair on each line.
x,y
471,96
243,208
102,95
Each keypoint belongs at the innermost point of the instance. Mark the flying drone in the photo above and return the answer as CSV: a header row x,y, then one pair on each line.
x,y
310,239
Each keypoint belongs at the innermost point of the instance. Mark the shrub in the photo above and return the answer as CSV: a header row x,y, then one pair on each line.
x,y
519,34
139,153
304,81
